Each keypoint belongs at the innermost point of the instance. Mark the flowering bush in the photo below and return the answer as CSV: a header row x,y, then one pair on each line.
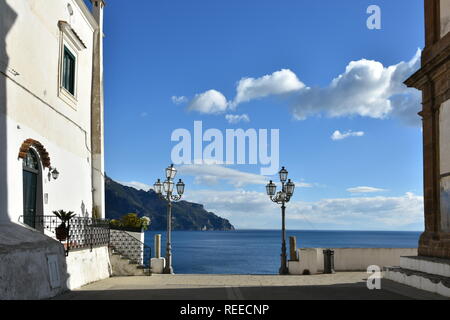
x,y
132,220
145,222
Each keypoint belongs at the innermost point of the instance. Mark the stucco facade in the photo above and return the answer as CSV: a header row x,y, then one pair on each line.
x,y
433,79
58,120
37,107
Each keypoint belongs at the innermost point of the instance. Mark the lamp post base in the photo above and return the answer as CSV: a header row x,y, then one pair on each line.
x,y
168,270
284,271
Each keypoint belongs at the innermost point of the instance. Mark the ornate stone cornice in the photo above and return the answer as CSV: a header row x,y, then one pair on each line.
x,y
435,62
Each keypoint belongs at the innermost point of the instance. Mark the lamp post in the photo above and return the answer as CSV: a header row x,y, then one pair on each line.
x,y
165,192
282,197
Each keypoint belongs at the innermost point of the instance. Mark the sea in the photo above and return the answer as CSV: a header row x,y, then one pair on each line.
x,y
257,252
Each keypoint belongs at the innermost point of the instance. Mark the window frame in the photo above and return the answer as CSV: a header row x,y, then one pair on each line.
x,y
69,84
65,94
71,42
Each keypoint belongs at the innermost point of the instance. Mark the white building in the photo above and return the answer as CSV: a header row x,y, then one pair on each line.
x,y
51,120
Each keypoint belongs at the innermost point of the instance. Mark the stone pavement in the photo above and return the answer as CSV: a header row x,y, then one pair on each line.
x,y
340,286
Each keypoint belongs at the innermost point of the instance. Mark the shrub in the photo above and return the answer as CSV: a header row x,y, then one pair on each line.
x,y
132,220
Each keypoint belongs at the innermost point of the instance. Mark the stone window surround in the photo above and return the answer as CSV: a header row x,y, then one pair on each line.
x,y
68,39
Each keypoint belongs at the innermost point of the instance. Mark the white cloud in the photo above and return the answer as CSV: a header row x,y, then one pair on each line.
x,y
234,119
337,135
365,190
209,102
213,174
369,211
136,185
366,89
179,100
279,82
248,209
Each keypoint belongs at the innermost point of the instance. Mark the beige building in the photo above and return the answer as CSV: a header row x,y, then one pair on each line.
x,y
434,81
431,269
51,142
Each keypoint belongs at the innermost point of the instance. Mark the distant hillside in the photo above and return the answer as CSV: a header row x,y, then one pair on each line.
x,y
121,200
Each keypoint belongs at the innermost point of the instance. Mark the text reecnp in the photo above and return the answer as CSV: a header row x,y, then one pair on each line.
x,y
229,309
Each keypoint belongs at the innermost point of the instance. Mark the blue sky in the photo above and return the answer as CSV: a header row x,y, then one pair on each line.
x,y
156,50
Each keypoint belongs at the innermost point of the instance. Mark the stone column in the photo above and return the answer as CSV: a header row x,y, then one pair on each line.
x,y
293,248
157,246
97,111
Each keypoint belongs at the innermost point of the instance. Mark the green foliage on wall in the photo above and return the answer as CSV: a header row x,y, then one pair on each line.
x,y
132,220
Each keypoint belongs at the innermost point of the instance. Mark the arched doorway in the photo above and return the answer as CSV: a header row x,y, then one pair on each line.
x,y
35,158
32,188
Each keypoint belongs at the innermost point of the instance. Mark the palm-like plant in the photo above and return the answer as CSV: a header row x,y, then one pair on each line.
x,y
64,216
62,232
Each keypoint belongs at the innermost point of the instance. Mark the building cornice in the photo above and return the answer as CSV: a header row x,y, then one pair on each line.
x,y
87,14
433,58
72,35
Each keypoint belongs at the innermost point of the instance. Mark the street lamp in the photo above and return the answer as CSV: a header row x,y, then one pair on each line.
x,y
282,197
165,192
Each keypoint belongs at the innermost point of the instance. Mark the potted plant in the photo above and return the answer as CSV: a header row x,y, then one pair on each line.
x,y
62,232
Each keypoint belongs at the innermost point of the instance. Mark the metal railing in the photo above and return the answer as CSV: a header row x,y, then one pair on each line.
x,y
131,248
83,233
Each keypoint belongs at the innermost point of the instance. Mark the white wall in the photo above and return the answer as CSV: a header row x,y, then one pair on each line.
x,y
84,267
349,259
68,192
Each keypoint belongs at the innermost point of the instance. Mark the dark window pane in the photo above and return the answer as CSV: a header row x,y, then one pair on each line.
x,y
31,161
68,77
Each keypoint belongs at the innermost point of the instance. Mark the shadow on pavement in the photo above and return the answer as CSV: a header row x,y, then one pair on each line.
x,y
353,291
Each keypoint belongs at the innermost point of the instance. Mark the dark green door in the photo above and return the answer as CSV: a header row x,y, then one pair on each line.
x,y
30,180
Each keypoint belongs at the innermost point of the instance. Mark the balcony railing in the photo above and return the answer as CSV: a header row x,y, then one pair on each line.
x,y
84,233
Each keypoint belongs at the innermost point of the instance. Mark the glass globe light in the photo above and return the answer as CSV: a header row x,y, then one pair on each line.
x,y
290,187
158,186
171,172
271,189
283,175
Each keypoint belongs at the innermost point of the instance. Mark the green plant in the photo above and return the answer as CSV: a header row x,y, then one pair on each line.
x,y
132,220
146,221
64,216
115,223
62,231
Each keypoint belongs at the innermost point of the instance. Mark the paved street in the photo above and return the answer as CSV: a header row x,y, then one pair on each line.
x,y
341,286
